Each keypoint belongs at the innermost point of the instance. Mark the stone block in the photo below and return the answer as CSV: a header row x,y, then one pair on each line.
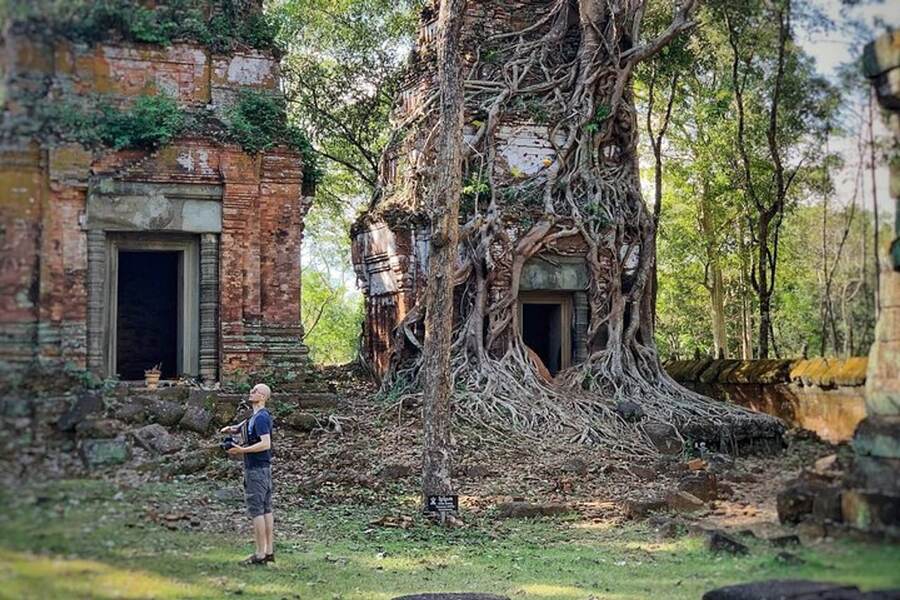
x,y
85,404
701,484
301,421
795,501
683,502
164,412
719,541
452,596
878,436
99,428
154,438
641,508
869,510
99,453
877,473
131,412
827,505
785,590
196,419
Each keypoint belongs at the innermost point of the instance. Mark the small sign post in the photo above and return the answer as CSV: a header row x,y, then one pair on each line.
x,y
442,505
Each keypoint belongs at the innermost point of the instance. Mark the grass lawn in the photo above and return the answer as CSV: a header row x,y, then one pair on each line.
x,y
85,539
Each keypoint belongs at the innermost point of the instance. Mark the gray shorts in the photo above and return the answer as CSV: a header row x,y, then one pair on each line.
x,y
258,491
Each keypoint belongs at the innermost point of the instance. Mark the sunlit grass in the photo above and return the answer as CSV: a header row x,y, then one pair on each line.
x,y
72,540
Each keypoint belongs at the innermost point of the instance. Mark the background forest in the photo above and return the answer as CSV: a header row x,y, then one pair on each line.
x,y
760,164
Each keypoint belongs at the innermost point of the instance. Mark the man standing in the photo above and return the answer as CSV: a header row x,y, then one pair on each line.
x,y
257,453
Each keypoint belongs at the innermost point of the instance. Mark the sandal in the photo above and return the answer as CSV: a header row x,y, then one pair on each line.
x,y
270,558
253,560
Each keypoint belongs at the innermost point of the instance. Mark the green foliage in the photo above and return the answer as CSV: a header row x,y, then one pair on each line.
x,y
332,318
150,122
230,24
258,121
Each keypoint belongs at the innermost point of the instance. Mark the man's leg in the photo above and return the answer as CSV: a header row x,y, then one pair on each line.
x,y
259,535
270,533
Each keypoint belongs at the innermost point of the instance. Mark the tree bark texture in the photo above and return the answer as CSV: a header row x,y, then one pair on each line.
x,y
444,209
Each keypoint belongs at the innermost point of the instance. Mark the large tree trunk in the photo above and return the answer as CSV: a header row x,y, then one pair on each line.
x,y
444,208
714,283
570,67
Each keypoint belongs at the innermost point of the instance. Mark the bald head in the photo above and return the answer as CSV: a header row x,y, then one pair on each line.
x,y
260,394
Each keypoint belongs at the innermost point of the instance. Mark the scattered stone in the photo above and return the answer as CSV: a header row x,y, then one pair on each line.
x,y
85,405
785,590
783,541
696,464
791,560
392,472
718,462
98,453
178,394
196,419
701,484
156,439
99,428
795,501
664,437
460,596
641,508
670,529
683,502
826,464
629,411
224,411
524,510
164,412
811,530
131,413
574,465
719,541
827,505
301,421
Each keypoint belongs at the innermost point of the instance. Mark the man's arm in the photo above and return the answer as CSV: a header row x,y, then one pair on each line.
x,y
264,443
232,428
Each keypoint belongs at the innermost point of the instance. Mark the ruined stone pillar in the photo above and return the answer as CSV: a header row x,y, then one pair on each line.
x,y
872,504
96,284
582,321
209,307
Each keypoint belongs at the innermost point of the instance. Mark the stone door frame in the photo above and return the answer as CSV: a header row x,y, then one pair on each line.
x,y
188,247
566,301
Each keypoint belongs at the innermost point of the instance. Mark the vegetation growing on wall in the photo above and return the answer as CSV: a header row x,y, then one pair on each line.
x,y
258,121
221,25
150,122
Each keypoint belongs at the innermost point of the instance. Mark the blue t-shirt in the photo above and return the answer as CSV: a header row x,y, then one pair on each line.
x,y
259,425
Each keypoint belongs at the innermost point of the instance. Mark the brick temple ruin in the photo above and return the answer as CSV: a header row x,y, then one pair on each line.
x,y
115,260
390,246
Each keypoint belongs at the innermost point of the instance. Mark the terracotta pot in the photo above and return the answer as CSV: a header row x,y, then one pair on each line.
x,y
151,379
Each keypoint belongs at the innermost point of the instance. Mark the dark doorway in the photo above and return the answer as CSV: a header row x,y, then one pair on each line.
x,y
147,314
542,332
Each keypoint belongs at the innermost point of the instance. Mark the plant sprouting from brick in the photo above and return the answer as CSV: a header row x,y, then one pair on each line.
x,y
258,121
150,122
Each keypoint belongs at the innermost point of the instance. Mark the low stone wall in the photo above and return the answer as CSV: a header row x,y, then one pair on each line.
x,y
824,395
